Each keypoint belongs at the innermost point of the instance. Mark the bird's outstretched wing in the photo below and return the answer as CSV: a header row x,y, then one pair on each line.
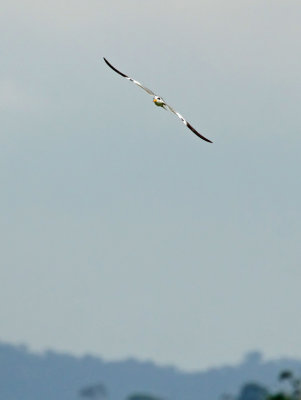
x,y
153,94
130,79
188,124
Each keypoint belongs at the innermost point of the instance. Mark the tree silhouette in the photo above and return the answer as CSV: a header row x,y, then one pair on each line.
x,y
96,391
253,391
295,387
142,396
285,375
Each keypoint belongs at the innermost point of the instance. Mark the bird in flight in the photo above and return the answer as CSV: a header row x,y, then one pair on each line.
x,y
158,101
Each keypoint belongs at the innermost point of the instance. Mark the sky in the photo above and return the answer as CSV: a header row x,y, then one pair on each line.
x,y
122,233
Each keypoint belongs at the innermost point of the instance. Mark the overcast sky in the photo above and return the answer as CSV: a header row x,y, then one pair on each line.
x,y
122,233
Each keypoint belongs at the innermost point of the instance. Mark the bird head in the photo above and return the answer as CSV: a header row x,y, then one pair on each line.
x,y
157,99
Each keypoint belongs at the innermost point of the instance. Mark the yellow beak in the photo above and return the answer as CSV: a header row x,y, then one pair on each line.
x,y
154,100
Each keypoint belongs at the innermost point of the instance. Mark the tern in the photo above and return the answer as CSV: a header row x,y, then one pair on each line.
x,y
158,101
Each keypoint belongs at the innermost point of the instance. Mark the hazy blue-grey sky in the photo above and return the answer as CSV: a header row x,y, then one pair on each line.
x,y
122,233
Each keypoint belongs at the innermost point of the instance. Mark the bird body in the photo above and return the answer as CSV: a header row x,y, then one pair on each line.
x,y
158,101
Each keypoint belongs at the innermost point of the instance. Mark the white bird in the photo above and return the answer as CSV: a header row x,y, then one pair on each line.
x,y
159,101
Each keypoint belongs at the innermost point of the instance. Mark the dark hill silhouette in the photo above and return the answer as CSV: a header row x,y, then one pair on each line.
x,y
25,375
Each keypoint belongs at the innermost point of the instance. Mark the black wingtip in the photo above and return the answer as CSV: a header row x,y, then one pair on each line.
x,y
197,133
114,69
106,61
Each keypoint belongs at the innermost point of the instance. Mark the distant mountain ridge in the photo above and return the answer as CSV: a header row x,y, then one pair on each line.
x,y
25,375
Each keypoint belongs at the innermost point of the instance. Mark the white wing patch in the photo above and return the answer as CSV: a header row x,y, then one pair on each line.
x,y
182,118
140,85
